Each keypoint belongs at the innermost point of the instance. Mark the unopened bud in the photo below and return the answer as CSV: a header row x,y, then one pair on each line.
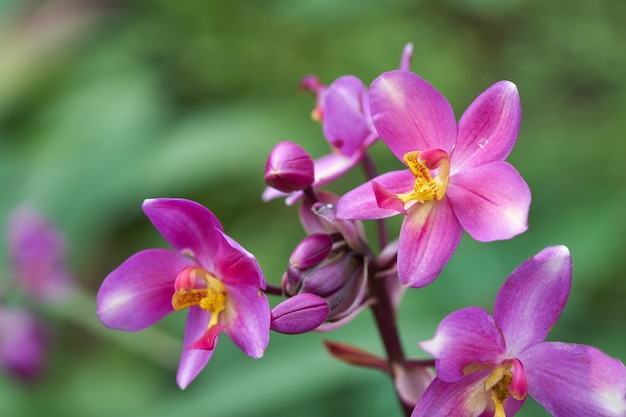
x,y
289,168
299,314
311,250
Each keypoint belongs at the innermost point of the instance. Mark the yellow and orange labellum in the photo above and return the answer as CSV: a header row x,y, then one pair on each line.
x,y
210,295
426,187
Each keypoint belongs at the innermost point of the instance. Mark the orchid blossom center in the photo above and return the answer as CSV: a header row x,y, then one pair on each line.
x,y
506,379
424,165
195,286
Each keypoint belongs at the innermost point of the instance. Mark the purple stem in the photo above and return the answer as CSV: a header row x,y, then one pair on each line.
x,y
384,315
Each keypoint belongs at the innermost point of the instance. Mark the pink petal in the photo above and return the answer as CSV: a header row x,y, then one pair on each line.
x,y
332,166
192,361
139,292
405,61
232,264
411,380
532,298
463,398
347,121
247,319
185,224
361,204
491,201
464,338
575,380
270,193
410,114
429,237
488,129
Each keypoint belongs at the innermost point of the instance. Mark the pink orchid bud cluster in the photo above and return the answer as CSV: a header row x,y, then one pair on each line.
x,y
452,177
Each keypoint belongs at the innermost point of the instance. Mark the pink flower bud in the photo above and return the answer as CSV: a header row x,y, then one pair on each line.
x,y
299,314
289,168
312,250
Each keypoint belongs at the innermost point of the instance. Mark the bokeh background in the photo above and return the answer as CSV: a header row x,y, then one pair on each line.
x,y
106,103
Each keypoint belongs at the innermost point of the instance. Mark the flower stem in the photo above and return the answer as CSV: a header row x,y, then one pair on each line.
x,y
384,314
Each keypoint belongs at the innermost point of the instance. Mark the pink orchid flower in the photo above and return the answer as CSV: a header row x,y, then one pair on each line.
x,y
207,272
343,110
37,252
456,177
487,365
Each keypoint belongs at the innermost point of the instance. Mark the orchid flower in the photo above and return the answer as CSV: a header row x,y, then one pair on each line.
x,y
456,177
207,272
38,256
24,343
343,109
487,365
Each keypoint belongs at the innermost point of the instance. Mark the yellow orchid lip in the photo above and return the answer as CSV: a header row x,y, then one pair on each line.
x,y
422,164
211,298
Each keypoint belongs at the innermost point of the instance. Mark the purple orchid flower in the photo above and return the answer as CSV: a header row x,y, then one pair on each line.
x,y
23,343
456,179
487,365
208,272
343,109
38,256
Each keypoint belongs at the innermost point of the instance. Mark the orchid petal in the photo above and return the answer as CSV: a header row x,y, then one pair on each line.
x,y
411,380
185,224
346,115
410,114
139,292
532,298
234,265
247,319
575,380
270,193
491,201
429,237
488,129
463,398
464,338
311,222
405,60
360,203
332,166
192,361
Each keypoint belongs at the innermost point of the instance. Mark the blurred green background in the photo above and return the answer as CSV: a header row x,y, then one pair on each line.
x,y
106,103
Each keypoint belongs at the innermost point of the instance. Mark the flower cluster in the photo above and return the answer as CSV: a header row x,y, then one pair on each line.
x,y
452,177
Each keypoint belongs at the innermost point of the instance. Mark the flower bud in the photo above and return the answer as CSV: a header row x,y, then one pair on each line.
x,y
289,168
312,250
299,314
341,280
